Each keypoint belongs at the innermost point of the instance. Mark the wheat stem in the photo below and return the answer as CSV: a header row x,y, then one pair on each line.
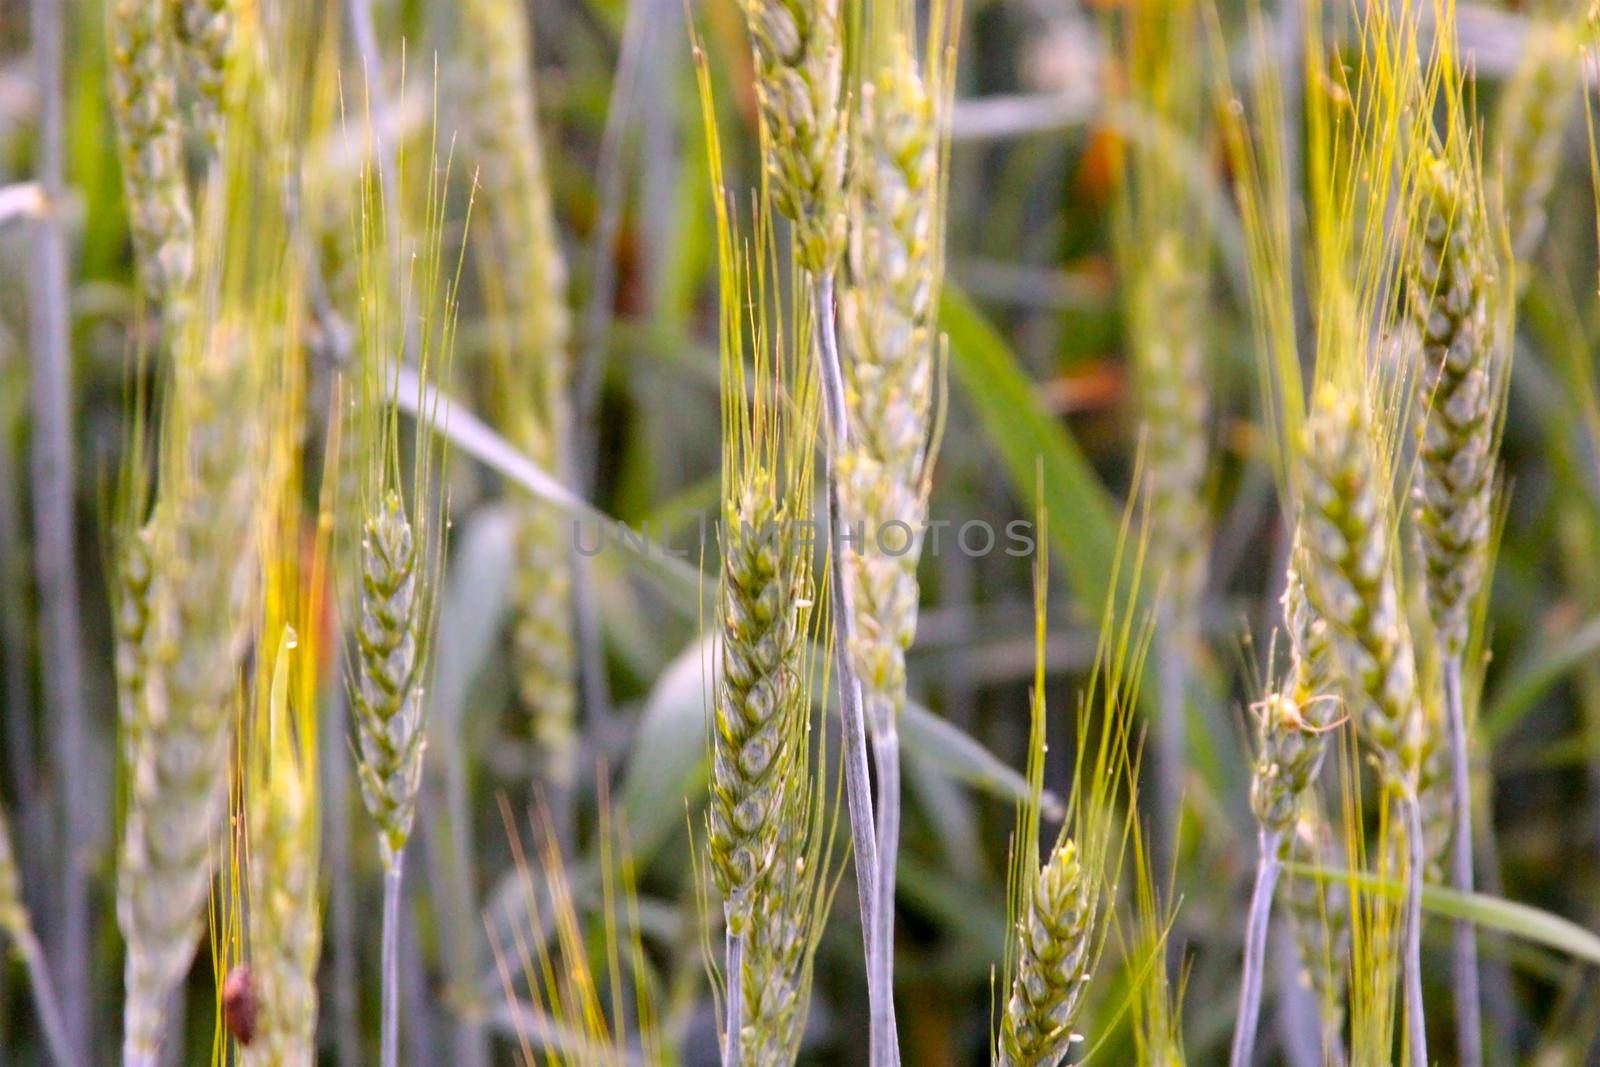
x,y
737,921
389,1049
1469,1023
54,527
1257,924
1416,1022
858,789
880,957
45,1001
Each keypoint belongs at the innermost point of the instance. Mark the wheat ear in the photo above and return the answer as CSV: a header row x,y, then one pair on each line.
x,y
206,29
762,700
1052,965
204,538
1351,582
1531,122
17,926
144,98
521,232
799,57
387,701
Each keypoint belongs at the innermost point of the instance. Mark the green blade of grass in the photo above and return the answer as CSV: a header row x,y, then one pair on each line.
x,y
1488,912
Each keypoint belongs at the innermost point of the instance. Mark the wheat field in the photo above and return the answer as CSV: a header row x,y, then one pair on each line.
x,y
769,532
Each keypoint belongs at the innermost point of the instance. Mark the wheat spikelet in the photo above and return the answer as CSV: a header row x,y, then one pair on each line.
x,y
521,234
387,699
1459,393
1532,119
206,28
200,596
285,921
886,324
1051,966
1350,580
144,97
799,59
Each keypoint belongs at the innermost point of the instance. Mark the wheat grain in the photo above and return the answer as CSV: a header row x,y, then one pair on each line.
x,y
131,595
885,316
144,95
781,934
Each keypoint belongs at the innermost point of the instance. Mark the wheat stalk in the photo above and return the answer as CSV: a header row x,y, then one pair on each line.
x,y
144,97
1351,581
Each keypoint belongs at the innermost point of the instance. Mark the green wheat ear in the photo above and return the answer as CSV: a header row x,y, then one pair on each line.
x,y
1460,388
1350,580
1061,908
388,696
206,30
1532,119
144,106
799,58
